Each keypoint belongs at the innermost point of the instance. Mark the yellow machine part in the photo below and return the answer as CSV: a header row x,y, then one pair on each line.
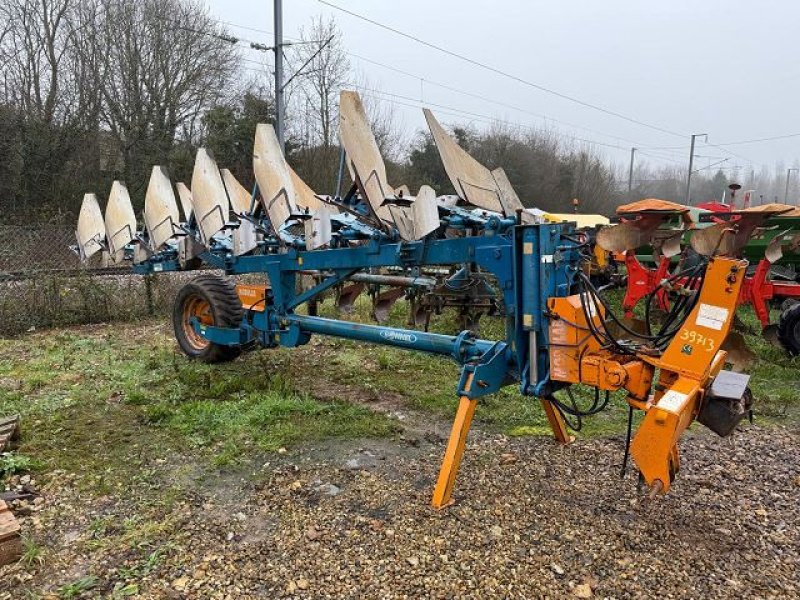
x,y
570,336
581,220
601,257
253,297
576,356
686,367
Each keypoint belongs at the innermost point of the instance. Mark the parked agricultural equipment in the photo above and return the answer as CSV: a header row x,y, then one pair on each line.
x,y
560,330
677,242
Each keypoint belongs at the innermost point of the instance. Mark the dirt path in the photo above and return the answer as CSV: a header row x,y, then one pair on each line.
x,y
344,520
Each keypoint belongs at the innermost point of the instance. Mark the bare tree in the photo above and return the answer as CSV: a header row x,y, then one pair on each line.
x,y
48,97
92,87
324,71
34,43
164,62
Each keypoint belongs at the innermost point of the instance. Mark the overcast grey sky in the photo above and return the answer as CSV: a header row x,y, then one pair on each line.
x,y
724,67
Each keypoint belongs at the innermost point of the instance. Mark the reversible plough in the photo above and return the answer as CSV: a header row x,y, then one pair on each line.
x,y
560,330
679,242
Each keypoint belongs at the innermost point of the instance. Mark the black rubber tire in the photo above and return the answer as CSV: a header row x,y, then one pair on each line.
x,y
224,308
788,303
789,329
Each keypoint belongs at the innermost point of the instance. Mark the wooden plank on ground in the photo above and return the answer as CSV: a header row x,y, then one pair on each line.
x,y
10,540
9,431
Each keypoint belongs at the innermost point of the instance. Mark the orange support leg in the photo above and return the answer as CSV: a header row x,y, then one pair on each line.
x,y
442,493
556,423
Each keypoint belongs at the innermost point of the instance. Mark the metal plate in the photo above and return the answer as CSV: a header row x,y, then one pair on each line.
x,y
740,356
425,212
652,205
141,253
209,198
713,240
774,250
245,238
729,385
160,209
120,221
240,198
583,221
363,156
622,237
273,177
401,217
418,220
771,209
91,232
318,229
473,182
185,196
672,246
508,196
383,303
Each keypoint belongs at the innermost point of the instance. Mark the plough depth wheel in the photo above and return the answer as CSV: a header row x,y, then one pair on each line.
x,y
213,301
789,329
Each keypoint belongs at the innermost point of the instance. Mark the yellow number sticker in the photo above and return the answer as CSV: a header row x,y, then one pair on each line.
x,y
693,337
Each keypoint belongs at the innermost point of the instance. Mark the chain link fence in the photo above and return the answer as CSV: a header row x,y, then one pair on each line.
x,y
43,284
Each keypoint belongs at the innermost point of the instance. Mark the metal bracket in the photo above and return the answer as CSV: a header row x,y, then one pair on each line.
x,y
488,374
224,336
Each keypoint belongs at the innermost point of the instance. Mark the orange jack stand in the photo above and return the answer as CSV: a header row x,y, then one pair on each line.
x,y
442,493
556,423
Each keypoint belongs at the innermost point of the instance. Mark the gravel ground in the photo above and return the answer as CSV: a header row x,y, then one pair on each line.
x,y
532,520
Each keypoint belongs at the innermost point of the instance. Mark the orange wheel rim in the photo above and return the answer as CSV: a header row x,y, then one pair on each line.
x,y
199,308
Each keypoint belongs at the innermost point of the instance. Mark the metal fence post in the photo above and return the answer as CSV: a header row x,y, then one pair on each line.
x,y
148,291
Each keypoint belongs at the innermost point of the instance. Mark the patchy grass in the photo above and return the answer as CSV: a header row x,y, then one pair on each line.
x,y
32,553
77,588
106,401
429,383
12,462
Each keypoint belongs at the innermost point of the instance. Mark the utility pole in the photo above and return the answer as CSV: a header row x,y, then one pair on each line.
x,y
786,193
630,173
691,166
280,107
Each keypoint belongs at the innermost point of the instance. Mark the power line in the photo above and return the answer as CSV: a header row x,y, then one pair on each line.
x,y
460,91
478,116
764,139
486,99
500,71
731,152
478,96
247,28
707,143
486,118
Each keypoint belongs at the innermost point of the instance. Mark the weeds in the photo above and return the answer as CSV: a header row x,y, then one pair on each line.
x,y
77,587
12,463
32,553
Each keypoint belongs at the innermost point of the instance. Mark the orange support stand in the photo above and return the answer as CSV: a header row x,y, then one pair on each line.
x,y
442,493
556,423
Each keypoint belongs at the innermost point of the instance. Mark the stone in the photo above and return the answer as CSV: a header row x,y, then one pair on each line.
x,y
582,590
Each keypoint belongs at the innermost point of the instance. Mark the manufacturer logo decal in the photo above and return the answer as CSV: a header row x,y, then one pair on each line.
x,y
398,336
